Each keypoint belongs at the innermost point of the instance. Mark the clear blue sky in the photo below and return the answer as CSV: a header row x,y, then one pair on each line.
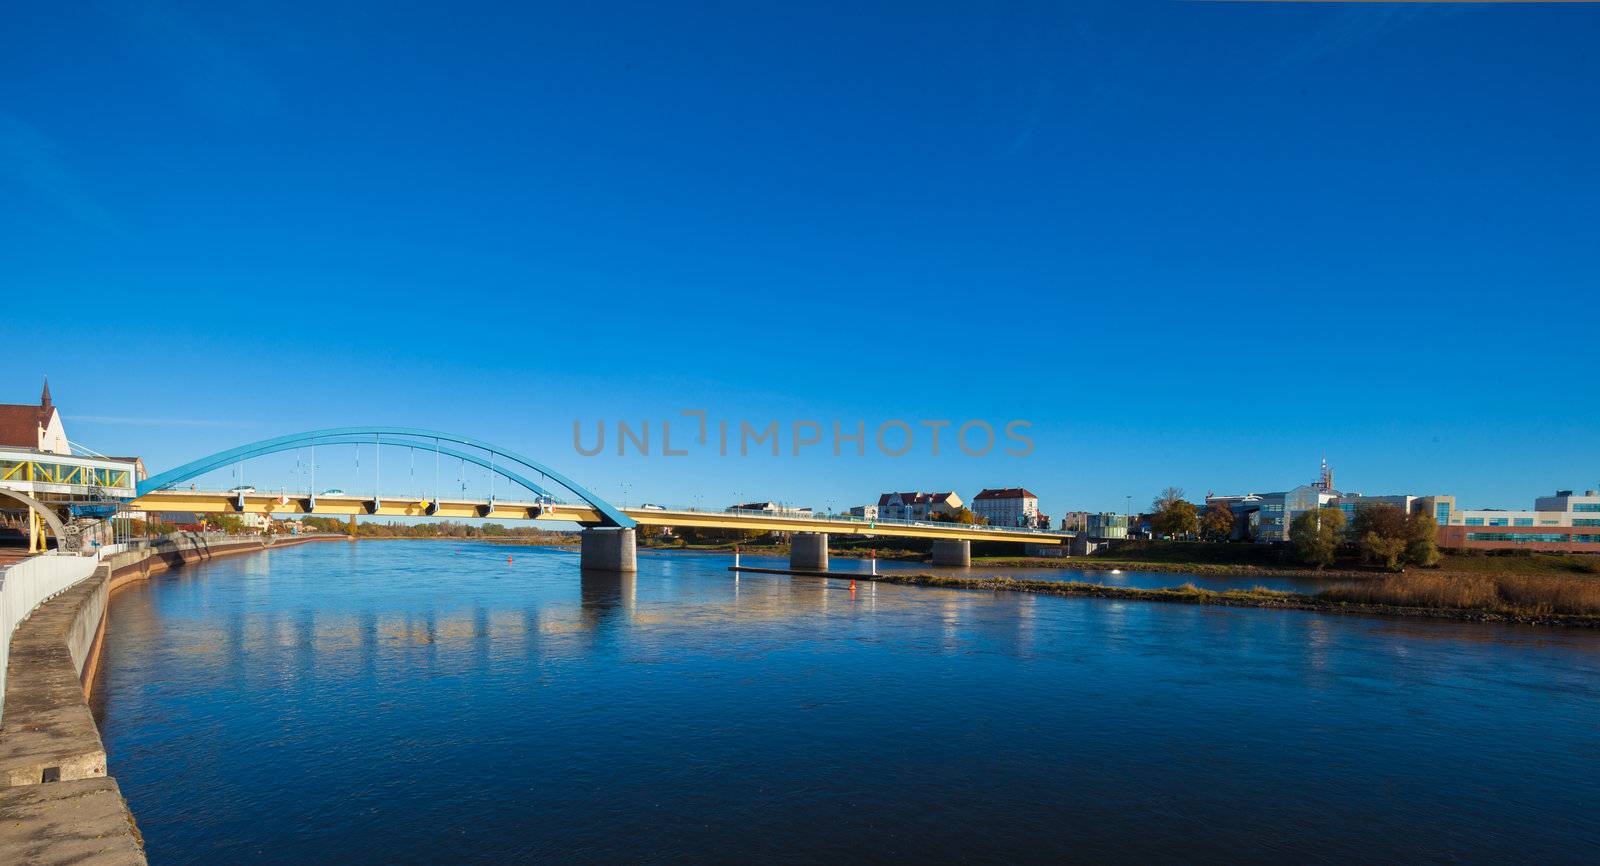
x,y
1194,243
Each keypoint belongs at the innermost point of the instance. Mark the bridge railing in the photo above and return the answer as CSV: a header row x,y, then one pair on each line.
x,y
841,519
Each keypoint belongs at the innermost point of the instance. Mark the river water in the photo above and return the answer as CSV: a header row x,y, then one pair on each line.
x,y
424,701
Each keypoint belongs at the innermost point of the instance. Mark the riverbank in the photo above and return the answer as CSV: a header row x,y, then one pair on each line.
x,y
1208,569
1245,561
57,802
1551,606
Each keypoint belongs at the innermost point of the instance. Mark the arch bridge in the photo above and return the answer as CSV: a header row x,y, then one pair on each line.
x,y
608,537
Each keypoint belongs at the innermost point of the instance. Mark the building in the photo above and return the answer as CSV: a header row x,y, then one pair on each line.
x,y
1106,526
45,489
1075,521
865,512
916,505
1563,523
1007,506
1350,503
34,427
776,509
1266,517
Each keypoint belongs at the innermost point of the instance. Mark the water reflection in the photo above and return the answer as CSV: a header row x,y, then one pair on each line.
x,y
425,701
605,594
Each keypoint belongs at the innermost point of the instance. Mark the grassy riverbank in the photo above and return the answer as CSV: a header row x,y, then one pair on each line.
x,y
1095,563
1534,601
1256,560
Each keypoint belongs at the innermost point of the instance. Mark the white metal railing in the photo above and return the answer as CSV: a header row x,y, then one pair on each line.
x,y
28,584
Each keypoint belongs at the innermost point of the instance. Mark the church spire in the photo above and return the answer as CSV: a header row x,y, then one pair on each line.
x,y
44,399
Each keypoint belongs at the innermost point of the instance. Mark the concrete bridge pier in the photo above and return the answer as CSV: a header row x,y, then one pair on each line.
x,y
608,550
952,551
808,551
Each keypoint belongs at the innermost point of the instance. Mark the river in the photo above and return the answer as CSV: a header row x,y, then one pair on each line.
x,y
427,701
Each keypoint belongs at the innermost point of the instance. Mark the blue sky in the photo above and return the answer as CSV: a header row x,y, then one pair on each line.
x,y
1198,244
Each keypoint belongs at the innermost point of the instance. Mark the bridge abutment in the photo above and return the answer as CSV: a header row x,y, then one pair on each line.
x,y
808,551
953,551
608,550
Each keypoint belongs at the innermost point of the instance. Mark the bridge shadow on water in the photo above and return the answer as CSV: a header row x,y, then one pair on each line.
x,y
603,595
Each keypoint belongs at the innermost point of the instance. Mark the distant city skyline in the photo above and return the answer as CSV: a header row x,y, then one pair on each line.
x,y
1203,248
169,441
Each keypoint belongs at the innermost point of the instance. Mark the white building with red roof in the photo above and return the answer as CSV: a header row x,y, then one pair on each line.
x,y
33,427
1007,506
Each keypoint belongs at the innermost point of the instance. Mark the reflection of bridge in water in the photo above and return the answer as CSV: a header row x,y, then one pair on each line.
x,y
310,643
608,541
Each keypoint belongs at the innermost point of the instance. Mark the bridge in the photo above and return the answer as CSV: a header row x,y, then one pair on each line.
x,y
608,537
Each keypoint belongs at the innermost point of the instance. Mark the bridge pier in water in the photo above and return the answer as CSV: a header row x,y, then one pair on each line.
x,y
954,551
608,550
808,551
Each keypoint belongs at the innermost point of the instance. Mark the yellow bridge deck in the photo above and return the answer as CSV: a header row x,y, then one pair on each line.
x,y
220,502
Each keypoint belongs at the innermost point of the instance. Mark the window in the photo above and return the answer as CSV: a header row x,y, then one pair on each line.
x,y
1533,537
1586,506
1586,521
1498,521
1522,521
1474,521
1441,512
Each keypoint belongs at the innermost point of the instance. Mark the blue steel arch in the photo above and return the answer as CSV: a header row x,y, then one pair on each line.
x,y
363,435
241,454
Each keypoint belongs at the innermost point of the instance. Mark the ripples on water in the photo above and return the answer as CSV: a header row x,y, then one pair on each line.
x,y
405,701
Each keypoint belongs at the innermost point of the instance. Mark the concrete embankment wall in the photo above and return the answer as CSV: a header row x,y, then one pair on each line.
x,y
57,805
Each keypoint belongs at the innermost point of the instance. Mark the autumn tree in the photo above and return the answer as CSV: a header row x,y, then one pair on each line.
x,y
959,515
1216,522
1167,498
1422,540
1315,535
1384,533
1178,519
232,524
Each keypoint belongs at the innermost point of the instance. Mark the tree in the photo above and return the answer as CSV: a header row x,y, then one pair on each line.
x,y
1180,518
1168,498
1314,535
959,515
1386,534
1386,521
1422,540
232,524
1385,550
1216,523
